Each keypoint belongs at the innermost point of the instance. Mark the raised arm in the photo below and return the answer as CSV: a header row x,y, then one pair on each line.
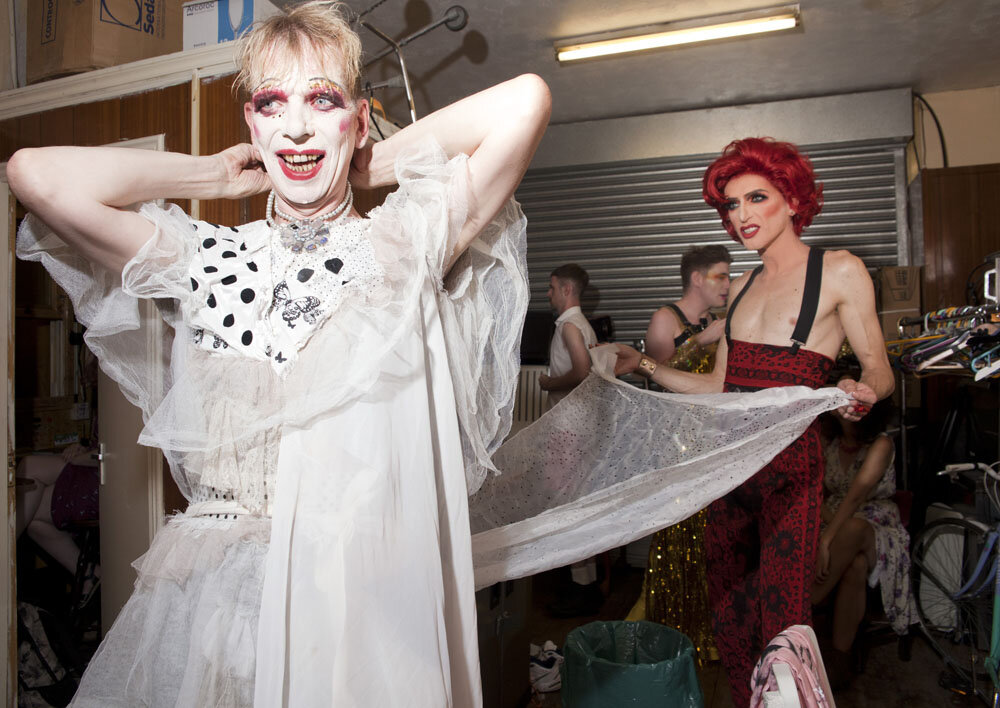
x,y
858,317
84,193
499,128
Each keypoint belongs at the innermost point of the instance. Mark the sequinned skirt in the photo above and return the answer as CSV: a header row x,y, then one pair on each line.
x,y
676,588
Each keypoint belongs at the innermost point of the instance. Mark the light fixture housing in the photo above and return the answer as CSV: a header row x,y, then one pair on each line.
x,y
671,34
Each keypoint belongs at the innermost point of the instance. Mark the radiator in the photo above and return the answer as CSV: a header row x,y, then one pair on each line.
x,y
530,401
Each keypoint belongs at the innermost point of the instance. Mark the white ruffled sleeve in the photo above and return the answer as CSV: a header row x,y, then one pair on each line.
x,y
482,299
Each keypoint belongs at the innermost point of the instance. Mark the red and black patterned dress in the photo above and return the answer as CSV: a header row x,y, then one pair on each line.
x,y
761,538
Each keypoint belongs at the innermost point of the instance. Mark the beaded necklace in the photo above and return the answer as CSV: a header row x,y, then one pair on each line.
x,y
306,234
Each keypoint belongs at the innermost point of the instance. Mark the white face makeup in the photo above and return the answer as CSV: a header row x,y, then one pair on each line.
x,y
306,128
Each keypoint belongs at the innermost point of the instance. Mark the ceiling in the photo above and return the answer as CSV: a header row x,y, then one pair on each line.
x,y
842,46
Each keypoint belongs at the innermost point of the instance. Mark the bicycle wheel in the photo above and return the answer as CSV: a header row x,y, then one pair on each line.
x,y
945,556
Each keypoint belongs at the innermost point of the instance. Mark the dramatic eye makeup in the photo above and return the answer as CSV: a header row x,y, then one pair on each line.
x,y
754,197
324,94
265,97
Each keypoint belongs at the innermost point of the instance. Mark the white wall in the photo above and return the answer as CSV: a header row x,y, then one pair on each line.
x,y
971,124
858,116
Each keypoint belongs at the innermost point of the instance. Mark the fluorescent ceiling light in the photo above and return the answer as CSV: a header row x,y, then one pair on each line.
x,y
674,34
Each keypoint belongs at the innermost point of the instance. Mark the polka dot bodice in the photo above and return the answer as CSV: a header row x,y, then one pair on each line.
x,y
262,301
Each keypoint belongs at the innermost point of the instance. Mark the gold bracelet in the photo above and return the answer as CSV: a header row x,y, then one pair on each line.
x,y
646,367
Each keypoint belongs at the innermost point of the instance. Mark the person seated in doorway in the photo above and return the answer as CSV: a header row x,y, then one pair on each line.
x,y
863,541
685,335
64,492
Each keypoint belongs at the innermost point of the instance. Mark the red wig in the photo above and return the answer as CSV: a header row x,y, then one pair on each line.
x,y
779,163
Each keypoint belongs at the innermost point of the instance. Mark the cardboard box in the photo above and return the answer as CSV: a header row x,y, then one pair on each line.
x,y
890,323
898,288
70,36
209,22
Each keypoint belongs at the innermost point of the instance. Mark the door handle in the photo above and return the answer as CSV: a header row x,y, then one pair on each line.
x,y
100,461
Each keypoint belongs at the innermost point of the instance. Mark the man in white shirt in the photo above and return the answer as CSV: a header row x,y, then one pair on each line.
x,y
569,364
569,360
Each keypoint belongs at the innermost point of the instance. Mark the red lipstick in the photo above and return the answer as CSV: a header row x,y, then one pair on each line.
x,y
300,166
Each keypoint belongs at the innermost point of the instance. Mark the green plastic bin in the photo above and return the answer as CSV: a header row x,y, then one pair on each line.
x,y
633,664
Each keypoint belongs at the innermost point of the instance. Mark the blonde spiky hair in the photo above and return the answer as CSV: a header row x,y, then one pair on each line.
x,y
317,26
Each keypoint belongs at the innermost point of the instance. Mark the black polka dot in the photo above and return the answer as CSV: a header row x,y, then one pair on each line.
x,y
229,280
228,321
234,229
247,338
334,265
304,274
194,226
252,266
208,243
194,284
243,247
247,295
211,300
228,254
211,269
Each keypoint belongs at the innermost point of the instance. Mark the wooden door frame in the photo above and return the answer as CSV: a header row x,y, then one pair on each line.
x,y
8,587
153,458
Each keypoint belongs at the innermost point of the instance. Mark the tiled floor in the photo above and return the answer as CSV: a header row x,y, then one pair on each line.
x,y
887,681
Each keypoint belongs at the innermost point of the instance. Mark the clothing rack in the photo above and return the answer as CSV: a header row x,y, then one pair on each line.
x,y
953,340
962,341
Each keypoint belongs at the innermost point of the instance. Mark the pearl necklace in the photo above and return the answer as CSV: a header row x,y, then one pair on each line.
x,y
306,234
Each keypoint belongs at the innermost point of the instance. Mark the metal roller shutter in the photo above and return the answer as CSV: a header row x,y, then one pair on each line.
x,y
628,223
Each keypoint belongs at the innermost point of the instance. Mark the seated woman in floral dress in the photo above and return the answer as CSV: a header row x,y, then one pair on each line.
x,y
863,541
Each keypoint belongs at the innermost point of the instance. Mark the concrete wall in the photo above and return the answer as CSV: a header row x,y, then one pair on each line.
x,y
857,116
971,124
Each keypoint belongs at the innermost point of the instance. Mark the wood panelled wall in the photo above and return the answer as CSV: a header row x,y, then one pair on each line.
x,y
961,227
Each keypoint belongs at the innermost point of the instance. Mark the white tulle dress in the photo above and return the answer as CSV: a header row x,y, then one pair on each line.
x,y
320,412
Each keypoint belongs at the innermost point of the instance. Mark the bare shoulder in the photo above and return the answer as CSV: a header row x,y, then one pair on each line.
x,y
882,444
844,264
846,272
738,284
881,449
665,317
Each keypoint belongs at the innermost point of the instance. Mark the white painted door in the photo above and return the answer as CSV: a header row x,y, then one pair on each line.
x,y
132,483
132,486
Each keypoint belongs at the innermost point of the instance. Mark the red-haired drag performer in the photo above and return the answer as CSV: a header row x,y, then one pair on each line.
x,y
786,322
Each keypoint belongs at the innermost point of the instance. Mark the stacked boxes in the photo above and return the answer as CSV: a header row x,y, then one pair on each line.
x,y
898,297
70,36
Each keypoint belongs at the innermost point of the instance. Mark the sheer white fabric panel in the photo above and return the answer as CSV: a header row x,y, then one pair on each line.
x,y
612,463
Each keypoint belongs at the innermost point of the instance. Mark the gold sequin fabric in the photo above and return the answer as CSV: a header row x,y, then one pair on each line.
x,y
676,588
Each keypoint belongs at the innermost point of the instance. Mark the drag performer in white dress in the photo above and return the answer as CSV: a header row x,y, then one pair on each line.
x,y
327,381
